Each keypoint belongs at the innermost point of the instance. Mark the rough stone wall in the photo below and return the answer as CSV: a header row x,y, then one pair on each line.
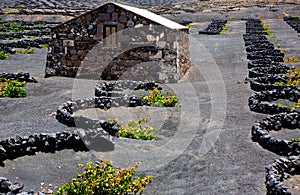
x,y
144,50
183,55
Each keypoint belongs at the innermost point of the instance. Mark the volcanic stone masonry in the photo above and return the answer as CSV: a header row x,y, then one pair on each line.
x,y
112,40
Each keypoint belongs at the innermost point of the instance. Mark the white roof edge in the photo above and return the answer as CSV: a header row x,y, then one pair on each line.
x,y
152,16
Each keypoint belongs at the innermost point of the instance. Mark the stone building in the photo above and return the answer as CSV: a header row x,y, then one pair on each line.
x,y
116,41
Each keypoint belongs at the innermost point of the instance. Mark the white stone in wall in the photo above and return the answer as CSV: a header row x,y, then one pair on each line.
x,y
161,44
150,38
161,35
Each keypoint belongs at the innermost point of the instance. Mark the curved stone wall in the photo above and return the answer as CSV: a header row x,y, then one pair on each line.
x,y
265,70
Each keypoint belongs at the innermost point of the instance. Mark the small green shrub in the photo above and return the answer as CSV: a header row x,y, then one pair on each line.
x,y
293,78
294,139
44,46
291,59
20,7
156,98
135,130
13,38
224,29
15,27
30,37
267,29
190,26
12,89
41,24
3,55
26,51
103,178
272,41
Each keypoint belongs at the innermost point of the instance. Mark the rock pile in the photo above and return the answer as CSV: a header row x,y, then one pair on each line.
x,y
294,22
214,28
20,76
12,188
8,47
13,148
107,95
21,35
281,169
260,101
260,133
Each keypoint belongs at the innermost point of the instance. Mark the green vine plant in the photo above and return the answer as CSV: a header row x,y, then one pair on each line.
x,y
225,27
103,178
13,38
26,51
135,130
295,139
190,26
267,29
3,55
293,78
291,59
43,46
20,7
12,89
292,107
273,41
13,27
156,98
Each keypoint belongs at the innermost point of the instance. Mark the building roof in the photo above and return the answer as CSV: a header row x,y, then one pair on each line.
x,y
152,16
143,13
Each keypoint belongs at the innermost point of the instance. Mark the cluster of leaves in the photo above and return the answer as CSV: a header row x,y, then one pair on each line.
x,y
294,139
267,29
273,41
13,27
190,26
291,59
103,178
156,98
292,107
26,51
135,130
3,55
225,28
292,80
20,6
44,46
40,23
12,89
13,38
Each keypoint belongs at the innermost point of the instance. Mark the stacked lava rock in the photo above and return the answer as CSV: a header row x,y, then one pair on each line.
x,y
294,22
38,31
8,47
214,28
265,69
20,76
107,95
